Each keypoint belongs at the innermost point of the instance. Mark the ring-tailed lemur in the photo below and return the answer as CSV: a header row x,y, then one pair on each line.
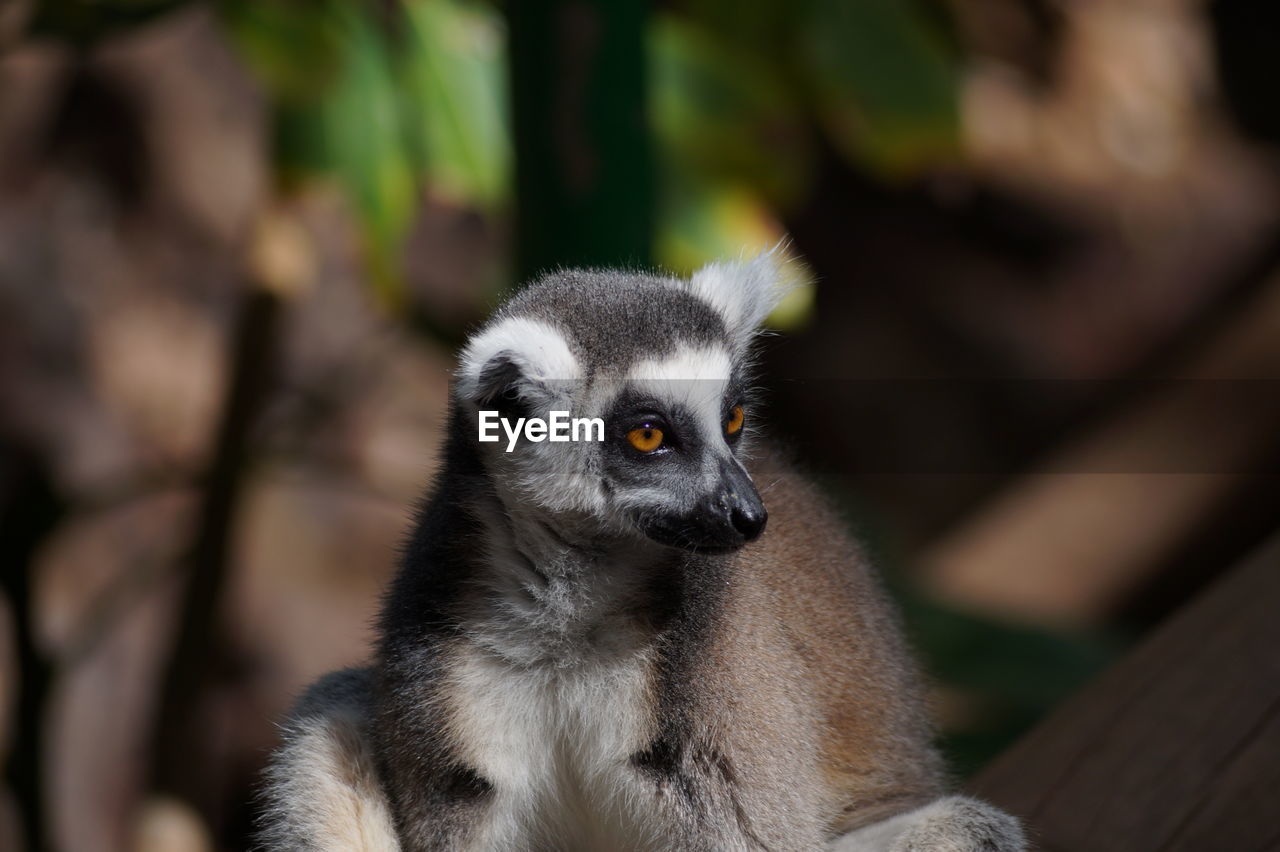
x,y
579,652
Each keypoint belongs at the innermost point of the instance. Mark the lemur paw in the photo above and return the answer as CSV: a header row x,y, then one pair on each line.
x,y
961,824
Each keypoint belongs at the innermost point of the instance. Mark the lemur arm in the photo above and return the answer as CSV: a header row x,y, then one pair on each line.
x,y
322,793
951,823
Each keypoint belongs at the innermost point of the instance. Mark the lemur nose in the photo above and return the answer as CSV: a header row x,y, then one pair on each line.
x,y
749,520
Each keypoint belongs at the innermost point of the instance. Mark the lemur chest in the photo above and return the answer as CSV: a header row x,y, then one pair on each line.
x,y
556,745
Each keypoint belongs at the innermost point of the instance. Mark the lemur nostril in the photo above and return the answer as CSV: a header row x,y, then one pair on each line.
x,y
749,523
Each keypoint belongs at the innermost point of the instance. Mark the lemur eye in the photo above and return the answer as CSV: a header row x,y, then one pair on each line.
x,y
646,439
734,424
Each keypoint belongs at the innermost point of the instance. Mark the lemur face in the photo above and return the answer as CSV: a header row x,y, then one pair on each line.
x,y
674,428
663,364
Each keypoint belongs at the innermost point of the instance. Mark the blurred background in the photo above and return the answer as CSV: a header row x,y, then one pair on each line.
x,y
240,241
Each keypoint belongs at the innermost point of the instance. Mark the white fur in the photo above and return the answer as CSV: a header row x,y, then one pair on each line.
x,y
555,745
692,376
948,824
695,378
548,699
559,476
326,795
742,292
565,477
537,347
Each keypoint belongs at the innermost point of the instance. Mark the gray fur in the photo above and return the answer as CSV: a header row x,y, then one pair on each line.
x,y
614,318
579,653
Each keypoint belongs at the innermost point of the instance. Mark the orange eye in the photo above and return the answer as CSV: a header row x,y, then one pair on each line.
x,y
646,439
734,426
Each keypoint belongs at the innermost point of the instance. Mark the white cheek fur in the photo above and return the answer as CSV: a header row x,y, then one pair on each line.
x,y
694,377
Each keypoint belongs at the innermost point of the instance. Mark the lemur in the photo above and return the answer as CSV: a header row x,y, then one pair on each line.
x,y
601,645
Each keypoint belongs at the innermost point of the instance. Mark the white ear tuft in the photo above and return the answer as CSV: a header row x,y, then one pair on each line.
x,y
742,292
534,351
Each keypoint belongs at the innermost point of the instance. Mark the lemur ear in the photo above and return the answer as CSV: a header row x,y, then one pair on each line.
x,y
742,292
516,360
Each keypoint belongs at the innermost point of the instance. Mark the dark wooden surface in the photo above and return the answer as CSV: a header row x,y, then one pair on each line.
x,y
1177,747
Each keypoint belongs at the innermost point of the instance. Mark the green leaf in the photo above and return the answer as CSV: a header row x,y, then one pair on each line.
x,y
702,222
332,74
883,82
455,79
293,47
352,130
365,138
381,108
722,113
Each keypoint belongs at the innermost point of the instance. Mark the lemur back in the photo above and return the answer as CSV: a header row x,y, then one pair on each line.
x,y
612,645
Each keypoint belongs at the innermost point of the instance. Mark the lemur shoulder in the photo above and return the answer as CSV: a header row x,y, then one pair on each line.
x,y
598,645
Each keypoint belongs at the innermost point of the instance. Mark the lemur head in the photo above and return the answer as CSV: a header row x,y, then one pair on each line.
x,y
664,364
